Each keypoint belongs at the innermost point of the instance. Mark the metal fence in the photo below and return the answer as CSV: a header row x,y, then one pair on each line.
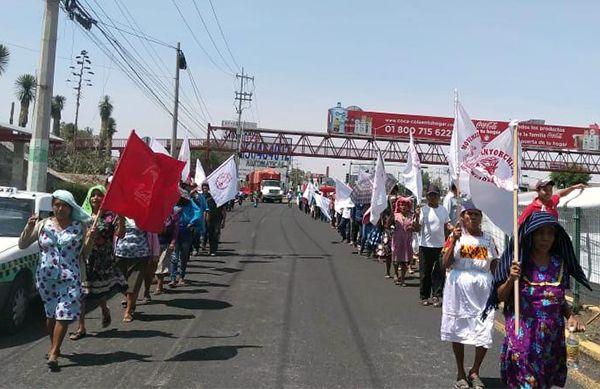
x,y
587,236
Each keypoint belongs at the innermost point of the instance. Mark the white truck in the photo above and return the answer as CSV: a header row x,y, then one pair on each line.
x,y
17,267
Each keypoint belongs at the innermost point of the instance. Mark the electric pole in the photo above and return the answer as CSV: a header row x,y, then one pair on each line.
x,y
39,145
240,97
83,60
180,63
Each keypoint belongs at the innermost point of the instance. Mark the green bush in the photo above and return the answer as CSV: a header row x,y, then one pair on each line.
x,y
79,191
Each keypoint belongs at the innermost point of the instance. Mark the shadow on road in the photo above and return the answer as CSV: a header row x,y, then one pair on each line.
x,y
217,353
179,290
88,359
198,304
206,261
208,284
159,317
492,382
116,334
256,261
33,329
227,269
214,337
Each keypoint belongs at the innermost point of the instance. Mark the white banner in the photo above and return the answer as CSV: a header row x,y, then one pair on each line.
x,y
184,155
200,175
158,148
379,194
223,182
491,180
412,172
465,147
342,196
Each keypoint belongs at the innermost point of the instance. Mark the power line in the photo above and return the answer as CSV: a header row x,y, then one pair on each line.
x,y
210,36
198,41
223,35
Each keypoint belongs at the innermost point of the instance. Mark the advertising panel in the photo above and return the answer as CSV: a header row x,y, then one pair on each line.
x,y
258,158
439,129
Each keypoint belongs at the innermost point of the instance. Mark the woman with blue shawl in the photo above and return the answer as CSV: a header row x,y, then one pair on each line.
x,y
60,270
103,276
536,356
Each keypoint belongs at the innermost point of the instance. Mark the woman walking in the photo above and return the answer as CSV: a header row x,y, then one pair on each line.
x,y
60,271
402,251
470,254
133,252
103,276
536,357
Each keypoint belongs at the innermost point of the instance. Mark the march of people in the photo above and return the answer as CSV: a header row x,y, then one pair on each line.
x,y
462,272
87,254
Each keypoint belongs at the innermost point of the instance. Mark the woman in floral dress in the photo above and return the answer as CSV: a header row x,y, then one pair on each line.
x,y
103,276
536,356
59,272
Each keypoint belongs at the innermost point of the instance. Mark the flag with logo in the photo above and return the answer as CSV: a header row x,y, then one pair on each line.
x,y
413,179
223,182
145,185
379,194
465,147
185,155
199,175
491,180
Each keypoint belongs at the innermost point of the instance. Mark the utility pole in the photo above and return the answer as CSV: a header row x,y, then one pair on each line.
x,y
83,60
180,63
240,97
38,147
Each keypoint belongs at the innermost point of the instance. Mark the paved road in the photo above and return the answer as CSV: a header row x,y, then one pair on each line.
x,y
283,305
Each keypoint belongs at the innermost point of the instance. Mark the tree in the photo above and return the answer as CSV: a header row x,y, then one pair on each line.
x,y
58,104
4,56
575,175
106,108
25,91
67,131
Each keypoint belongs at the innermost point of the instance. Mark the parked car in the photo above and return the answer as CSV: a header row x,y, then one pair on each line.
x,y
17,267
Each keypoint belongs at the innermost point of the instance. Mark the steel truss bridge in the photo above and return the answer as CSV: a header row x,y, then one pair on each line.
x,y
324,145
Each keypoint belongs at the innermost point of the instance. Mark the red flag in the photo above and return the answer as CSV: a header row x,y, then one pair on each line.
x,y
145,186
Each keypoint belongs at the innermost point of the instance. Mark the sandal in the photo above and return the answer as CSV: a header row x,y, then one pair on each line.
x,y
127,318
387,277
53,366
461,384
476,381
77,335
396,280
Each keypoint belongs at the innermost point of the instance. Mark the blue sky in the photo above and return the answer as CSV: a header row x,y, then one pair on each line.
x,y
509,59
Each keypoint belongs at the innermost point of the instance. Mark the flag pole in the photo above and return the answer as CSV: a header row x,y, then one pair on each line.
x,y
457,183
515,157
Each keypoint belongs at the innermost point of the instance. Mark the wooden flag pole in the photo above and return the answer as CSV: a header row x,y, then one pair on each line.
x,y
516,157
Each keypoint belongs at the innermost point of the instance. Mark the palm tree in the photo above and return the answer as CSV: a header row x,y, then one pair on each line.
x,y
25,90
58,103
105,106
111,128
4,55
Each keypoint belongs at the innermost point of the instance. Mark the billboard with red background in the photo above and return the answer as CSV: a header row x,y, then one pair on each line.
x,y
353,121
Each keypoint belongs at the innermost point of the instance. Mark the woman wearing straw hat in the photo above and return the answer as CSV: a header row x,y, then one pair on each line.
x,y
60,269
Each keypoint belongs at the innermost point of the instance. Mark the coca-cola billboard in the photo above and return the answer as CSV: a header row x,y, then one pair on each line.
x,y
354,121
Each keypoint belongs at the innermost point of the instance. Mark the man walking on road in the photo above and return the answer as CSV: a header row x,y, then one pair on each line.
x,y
431,221
215,220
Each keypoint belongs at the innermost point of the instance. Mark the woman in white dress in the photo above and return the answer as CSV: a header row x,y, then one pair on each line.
x,y
470,255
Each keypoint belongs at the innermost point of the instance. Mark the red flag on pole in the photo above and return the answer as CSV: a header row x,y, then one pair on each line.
x,y
145,186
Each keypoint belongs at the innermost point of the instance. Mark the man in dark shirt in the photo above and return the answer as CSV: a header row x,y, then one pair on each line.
x,y
215,220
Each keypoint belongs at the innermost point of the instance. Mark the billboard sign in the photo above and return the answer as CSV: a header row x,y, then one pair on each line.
x,y
233,124
258,158
439,129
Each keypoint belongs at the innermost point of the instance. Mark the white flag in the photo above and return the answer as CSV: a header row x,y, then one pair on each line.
x,y
158,148
379,194
223,182
342,196
184,155
309,192
491,180
465,147
323,203
413,180
199,176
